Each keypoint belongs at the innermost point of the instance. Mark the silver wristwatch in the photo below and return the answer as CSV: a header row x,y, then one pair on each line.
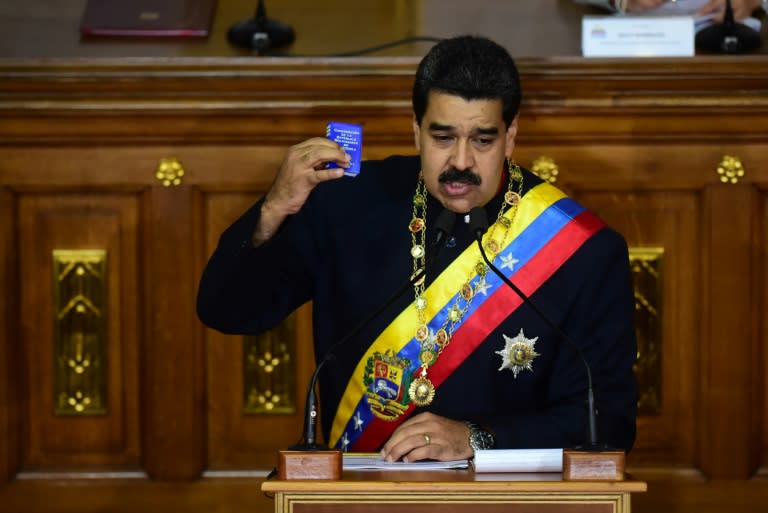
x,y
479,438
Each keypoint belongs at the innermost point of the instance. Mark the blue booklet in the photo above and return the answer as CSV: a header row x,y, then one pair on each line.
x,y
350,137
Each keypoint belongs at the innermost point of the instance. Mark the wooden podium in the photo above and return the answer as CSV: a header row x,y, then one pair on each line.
x,y
448,491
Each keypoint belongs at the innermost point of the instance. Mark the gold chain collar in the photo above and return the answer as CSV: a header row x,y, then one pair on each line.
x,y
422,391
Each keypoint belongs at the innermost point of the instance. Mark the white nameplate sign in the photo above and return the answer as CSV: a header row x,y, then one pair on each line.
x,y
637,36
519,460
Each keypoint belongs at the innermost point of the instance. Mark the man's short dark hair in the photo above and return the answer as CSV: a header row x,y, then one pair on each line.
x,y
471,67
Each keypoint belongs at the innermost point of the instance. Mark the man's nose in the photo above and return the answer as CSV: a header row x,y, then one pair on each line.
x,y
462,156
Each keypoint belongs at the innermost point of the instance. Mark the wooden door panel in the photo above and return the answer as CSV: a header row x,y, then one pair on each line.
x,y
10,432
108,438
761,308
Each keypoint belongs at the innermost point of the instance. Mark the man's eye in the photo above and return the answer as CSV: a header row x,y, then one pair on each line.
x,y
484,141
442,138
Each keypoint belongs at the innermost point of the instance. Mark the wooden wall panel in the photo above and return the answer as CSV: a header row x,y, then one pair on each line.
x,y
120,495
10,389
760,308
726,448
64,221
173,362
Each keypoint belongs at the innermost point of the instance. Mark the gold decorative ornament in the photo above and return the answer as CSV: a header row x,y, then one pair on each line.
x,y
545,168
79,402
422,391
647,267
169,172
268,370
730,169
80,327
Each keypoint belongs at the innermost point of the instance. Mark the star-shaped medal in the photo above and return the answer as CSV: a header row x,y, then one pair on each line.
x,y
518,353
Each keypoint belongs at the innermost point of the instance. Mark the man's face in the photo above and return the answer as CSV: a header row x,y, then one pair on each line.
x,y
463,145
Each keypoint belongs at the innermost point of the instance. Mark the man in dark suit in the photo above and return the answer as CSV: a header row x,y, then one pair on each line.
x,y
460,362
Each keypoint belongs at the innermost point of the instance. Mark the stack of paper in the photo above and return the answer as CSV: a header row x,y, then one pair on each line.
x,y
360,461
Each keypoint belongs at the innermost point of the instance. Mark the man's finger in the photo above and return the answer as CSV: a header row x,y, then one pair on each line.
x,y
324,175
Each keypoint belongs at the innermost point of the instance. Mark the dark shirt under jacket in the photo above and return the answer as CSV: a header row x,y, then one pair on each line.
x,y
348,250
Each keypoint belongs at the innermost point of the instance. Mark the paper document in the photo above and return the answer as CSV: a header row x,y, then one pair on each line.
x,y
689,8
372,461
519,460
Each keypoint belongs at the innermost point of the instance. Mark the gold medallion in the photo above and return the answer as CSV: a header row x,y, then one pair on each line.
x,y
427,357
492,246
512,197
421,391
480,269
416,225
417,251
422,332
441,337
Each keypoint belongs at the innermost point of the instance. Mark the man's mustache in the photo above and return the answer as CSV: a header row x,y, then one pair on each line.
x,y
456,175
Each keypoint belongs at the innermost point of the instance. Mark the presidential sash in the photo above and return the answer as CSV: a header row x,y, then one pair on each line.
x,y
546,231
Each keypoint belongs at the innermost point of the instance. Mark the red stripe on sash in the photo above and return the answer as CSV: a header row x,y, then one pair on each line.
x,y
488,316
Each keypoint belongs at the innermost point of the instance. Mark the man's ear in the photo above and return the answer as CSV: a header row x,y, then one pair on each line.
x,y
509,138
416,133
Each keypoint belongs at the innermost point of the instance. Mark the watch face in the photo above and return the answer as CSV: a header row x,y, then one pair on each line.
x,y
479,439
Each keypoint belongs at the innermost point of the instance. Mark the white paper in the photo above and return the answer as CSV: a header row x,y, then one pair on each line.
x,y
519,460
372,461
689,8
681,7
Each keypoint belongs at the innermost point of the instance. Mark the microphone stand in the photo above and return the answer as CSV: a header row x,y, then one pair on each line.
x,y
593,460
729,36
308,459
260,33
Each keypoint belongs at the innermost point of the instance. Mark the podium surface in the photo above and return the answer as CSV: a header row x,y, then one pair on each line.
x,y
447,491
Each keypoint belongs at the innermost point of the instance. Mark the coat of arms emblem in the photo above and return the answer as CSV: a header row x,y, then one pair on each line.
x,y
386,379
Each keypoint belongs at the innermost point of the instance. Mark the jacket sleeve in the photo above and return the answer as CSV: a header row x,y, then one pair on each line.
x,y
247,290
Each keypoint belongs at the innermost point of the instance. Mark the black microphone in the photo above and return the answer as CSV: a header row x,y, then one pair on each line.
x,y
728,36
443,227
260,33
478,224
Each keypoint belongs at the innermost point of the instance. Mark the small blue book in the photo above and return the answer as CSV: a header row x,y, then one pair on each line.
x,y
350,137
